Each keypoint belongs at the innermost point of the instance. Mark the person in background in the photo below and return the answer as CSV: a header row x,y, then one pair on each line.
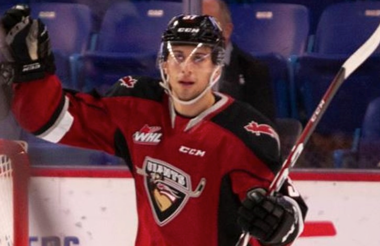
x,y
201,160
244,77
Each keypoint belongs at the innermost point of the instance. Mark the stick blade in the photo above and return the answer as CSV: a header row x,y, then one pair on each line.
x,y
362,53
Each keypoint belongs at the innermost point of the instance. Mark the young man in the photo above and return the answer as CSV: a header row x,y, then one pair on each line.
x,y
194,154
244,77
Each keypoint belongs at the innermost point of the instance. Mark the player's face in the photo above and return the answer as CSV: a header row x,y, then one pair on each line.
x,y
189,70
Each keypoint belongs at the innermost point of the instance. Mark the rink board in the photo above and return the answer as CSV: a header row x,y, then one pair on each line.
x,y
96,207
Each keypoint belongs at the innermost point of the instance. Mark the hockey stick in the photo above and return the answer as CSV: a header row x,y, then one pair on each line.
x,y
5,90
349,66
6,77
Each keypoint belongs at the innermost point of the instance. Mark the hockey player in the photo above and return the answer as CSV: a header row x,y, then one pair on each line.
x,y
201,161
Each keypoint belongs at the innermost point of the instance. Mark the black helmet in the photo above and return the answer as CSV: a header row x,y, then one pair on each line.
x,y
195,29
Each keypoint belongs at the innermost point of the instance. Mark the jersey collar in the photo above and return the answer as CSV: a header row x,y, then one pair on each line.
x,y
208,113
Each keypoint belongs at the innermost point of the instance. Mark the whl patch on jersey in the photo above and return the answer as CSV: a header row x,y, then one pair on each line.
x,y
150,135
168,189
259,129
127,81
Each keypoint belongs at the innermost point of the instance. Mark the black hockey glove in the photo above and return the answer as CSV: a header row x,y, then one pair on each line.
x,y
28,44
270,219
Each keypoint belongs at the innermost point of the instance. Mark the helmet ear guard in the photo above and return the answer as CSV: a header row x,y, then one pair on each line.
x,y
217,55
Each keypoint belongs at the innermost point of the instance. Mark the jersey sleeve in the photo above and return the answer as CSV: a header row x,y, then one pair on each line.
x,y
256,158
43,108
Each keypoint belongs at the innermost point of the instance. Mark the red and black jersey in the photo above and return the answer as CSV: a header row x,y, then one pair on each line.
x,y
190,173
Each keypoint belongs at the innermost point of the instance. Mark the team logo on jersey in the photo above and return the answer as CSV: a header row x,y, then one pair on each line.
x,y
259,129
148,135
128,82
168,189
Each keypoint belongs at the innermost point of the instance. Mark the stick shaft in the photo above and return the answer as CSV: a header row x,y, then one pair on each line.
x,y
307,132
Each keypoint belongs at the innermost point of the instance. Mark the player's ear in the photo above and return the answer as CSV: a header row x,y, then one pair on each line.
x,y
165,67
217,73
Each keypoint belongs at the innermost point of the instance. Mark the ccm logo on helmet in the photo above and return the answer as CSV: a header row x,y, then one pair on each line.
x,y
188,30
190,151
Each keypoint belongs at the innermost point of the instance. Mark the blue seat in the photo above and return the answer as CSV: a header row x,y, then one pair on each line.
x,y
70,28
365,153
271,27
280,72
274,33
316,8
371,122
128,42
346,111
342,29
369,145
288,130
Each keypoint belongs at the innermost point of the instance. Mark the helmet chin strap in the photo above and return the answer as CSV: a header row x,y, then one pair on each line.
x,y
165,84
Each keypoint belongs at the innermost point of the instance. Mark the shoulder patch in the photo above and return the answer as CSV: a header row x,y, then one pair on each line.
x,y
127,81
137,86
258,129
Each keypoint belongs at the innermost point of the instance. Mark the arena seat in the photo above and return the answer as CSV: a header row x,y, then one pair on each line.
x,y
288,130
365,153
271,27
342,29
335,41
369,145
70,28
371,122
316,8
127,43
275,33
280,69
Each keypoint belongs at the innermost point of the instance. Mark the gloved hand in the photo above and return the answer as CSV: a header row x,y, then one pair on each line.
x,y
270,219
27,43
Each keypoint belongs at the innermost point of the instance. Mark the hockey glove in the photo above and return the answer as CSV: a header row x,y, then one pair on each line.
x,y
270,219
28,44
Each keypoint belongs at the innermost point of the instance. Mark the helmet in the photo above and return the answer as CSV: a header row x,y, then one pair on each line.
x,y
195,29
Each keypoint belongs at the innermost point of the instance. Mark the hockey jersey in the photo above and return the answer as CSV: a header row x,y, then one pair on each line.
x,y
190,173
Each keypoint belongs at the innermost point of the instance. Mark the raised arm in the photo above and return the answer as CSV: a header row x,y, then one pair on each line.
x,y
40,104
